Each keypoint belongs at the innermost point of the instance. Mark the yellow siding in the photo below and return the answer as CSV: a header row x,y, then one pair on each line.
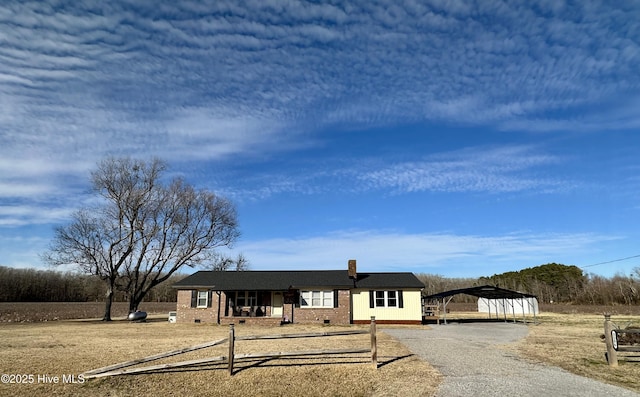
x,y
412,310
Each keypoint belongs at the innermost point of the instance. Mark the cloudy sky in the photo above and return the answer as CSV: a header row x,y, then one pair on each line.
x,y
457,138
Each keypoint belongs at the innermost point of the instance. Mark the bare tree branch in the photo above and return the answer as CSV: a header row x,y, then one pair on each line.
x,y
143,231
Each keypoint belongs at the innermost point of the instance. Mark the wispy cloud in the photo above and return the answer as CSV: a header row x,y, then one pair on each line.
x,y
483,169
369,62
206,81
492,170
125,72
21,215
435,253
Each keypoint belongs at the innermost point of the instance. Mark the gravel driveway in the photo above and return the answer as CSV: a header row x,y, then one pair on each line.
x,y
473,365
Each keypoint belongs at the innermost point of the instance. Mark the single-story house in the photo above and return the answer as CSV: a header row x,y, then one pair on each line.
x,y
314,296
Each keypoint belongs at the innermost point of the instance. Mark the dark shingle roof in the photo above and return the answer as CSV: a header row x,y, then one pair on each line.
x,y
282,280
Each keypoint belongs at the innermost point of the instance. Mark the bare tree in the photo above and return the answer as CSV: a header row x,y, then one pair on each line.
x,y
95,245
241,263
223,262
100,240
142,231
179,227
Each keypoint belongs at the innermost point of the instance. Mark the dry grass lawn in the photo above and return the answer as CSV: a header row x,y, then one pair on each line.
x,y
568,340
73,347
572,342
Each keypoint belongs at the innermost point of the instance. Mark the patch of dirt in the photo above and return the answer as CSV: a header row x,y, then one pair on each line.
x,y
29,312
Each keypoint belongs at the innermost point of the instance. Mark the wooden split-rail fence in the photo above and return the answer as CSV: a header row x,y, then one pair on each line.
x,y
123,368
619,340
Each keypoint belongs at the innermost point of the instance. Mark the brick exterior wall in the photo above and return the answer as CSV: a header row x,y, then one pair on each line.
x,y
261,321
187,314
337,315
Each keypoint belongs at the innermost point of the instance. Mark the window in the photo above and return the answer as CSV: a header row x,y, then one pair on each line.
x,y
316,299
203,298
252,298
246,298
392,301
327,300
380,298
385,299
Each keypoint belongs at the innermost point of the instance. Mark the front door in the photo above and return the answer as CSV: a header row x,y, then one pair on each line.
x,y
276,304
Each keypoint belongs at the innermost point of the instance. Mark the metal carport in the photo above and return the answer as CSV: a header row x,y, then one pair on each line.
x,y
485,291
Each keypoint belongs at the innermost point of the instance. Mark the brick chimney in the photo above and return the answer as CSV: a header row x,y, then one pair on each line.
x,y
352,269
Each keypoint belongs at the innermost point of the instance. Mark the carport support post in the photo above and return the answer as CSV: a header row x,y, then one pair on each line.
x,y
444,310
232,338
374,343
504,309
612,354
445,302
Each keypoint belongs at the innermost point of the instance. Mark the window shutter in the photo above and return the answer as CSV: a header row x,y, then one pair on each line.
x,y
400,300
371,299
209,296
335,298
194,298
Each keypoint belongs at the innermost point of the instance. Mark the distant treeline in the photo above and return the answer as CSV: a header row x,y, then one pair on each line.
x,y
30,285
551,283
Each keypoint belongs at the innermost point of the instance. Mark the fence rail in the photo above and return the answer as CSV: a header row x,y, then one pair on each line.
x,y
122,368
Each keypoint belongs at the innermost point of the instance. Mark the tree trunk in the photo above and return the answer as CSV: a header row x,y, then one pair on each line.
x,y
107,309
135,300
133,305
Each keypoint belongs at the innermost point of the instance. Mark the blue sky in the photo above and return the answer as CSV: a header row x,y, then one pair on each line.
x,y
456,138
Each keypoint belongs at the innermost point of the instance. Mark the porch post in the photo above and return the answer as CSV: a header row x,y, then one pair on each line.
x,y
219,297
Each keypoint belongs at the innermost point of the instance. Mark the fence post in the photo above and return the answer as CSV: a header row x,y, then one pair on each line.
x,y
374,343
232,338
612,354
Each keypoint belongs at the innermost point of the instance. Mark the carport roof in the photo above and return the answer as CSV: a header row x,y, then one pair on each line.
x,y
484,291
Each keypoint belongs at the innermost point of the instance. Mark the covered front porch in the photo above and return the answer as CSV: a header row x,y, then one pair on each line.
x,y
250,305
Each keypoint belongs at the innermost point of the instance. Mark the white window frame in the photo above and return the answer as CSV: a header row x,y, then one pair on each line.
x,y
202,295
387,299
322,298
